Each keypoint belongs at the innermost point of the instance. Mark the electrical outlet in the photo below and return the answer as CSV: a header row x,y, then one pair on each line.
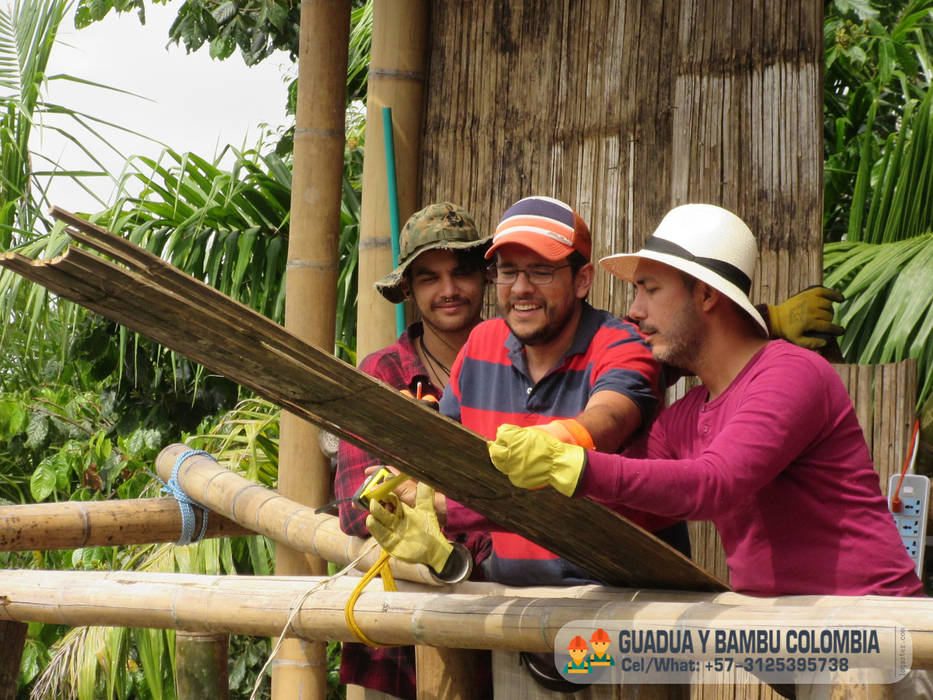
x,y
911,521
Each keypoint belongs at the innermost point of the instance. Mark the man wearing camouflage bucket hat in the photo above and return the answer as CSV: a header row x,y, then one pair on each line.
x,y
441,268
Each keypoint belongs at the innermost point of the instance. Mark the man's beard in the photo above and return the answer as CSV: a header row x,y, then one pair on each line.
x,y
684,341
554,324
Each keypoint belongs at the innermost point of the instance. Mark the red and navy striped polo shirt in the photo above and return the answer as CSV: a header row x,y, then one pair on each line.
x,y
490,385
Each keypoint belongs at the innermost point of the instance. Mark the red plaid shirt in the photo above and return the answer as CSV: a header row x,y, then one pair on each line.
x,y
389,669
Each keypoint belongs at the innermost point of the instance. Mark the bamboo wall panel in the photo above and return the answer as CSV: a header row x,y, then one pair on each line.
x,y
627,108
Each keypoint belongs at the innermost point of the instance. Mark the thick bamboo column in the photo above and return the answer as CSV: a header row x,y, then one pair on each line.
x,y
12,641
101,523
396,80
300,670
271,514
201,666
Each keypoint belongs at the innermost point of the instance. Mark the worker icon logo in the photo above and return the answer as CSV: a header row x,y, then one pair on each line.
x,y
584,662
600,658
578,656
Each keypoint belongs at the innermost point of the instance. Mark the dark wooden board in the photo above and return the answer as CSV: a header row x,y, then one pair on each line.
x,y
151,297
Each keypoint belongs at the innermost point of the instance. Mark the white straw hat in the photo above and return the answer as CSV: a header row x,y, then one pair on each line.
x,y
705,241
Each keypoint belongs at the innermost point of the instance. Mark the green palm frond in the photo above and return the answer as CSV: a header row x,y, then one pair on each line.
x,y
887,314
27,34
225,226
246,439
897,190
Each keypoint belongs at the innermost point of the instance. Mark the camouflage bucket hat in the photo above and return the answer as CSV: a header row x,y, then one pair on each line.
x,y
442,226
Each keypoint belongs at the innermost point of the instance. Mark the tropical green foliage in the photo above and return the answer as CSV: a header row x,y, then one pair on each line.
x,y
877,59
27,33
85,405
885,265
89,663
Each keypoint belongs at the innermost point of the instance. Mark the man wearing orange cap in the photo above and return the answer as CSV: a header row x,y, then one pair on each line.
x,y
552,361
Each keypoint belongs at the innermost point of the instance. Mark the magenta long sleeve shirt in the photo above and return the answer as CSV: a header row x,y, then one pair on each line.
x,y
779,463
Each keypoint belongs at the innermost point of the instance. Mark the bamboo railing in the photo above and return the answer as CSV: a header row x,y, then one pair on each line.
x,y
269,513
75,524
484,618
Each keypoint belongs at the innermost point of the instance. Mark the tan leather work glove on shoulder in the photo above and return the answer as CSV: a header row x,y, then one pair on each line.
x,y
806,319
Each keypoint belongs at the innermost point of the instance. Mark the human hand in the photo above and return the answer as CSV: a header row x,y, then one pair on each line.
x,y
408,533
406,492
806,318
533,459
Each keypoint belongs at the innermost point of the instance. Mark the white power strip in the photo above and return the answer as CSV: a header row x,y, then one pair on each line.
x,y
911,521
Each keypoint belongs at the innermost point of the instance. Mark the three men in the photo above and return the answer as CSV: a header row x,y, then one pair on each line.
x,y
550,360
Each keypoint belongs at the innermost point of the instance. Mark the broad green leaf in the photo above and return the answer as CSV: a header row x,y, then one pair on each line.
x,y
42,482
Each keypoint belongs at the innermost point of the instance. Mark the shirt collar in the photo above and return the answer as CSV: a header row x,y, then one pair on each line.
x,y
411,362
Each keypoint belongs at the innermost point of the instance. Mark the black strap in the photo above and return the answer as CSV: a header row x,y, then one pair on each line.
x,y
723,269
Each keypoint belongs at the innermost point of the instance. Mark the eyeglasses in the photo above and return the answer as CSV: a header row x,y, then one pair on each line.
x,y
537,275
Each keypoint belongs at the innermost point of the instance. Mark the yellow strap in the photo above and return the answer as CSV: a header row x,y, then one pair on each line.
x,y
381,567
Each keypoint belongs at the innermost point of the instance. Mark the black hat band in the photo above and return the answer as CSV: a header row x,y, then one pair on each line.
x,y
725,270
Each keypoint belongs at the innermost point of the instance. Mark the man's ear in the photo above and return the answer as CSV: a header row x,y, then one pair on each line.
x,y
405,286
706,296
583,280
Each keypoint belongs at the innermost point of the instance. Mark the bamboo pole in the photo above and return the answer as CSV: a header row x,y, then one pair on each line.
x,y
201,666
300,670
101,523
396,80
274,515
12,641
261,605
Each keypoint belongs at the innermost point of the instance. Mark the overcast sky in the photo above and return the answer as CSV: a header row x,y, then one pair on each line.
x,y
193,103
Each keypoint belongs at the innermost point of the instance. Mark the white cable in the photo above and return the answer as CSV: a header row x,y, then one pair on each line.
x,y
297,607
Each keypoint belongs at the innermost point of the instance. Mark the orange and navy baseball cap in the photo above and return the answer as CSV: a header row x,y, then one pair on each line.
x,y
549,227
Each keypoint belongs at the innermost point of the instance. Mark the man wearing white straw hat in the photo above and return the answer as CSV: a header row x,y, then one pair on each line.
x,y
768,448
771,435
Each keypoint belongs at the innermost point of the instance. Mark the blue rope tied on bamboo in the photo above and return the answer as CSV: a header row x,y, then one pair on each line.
x,y
185,503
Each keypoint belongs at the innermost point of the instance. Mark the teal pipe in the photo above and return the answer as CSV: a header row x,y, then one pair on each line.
x,y
392,184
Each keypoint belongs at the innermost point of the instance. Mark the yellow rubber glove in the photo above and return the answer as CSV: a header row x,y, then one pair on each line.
x,y
533,459
569,430
410,534
806,319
